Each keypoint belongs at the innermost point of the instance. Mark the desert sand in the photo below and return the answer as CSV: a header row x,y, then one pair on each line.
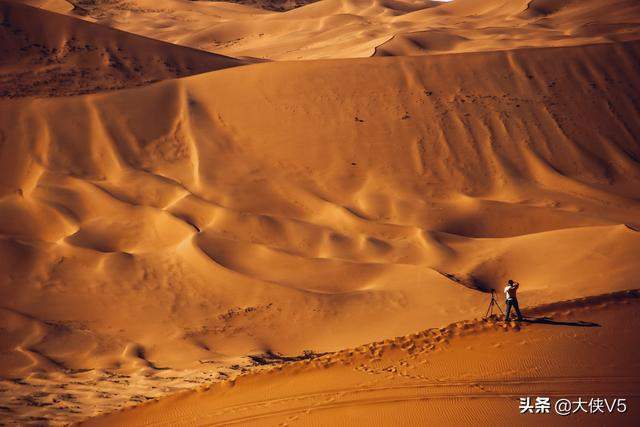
x,y
361,28
48,54
172,217
468,373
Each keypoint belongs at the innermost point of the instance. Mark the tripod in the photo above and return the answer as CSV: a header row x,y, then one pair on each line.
x,y
493,304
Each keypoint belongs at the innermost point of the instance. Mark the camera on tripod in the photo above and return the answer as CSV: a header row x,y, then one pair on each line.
x,y
493,306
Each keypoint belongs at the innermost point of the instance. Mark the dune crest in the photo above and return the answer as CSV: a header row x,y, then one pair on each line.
x,y
49,54
361,28
462,374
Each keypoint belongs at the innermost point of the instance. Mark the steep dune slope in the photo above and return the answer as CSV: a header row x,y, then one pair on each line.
x,y
48,54
317,205
360,28
466,374
344,194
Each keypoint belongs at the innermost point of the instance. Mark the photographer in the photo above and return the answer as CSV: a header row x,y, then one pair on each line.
x,y
511,299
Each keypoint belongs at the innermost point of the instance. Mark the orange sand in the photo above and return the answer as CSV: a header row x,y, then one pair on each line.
x,y
155,237
361,28
469,373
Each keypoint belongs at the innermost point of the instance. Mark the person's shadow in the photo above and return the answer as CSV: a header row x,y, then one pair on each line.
x,y
550,321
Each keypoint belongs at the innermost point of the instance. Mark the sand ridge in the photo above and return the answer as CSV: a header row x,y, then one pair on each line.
x,y
361,28
419,377
49,54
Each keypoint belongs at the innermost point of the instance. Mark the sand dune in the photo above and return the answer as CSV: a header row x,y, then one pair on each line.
x,y
361,28
468,373
204,231
48,54
156,237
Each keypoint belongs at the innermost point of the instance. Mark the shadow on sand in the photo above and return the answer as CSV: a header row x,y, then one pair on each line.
x,y
550,321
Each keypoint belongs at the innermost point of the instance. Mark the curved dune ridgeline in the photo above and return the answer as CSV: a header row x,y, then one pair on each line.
x,y
49,54
463,374
285,207
362,28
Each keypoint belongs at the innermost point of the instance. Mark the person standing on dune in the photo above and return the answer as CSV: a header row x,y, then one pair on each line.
x,y
512,300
